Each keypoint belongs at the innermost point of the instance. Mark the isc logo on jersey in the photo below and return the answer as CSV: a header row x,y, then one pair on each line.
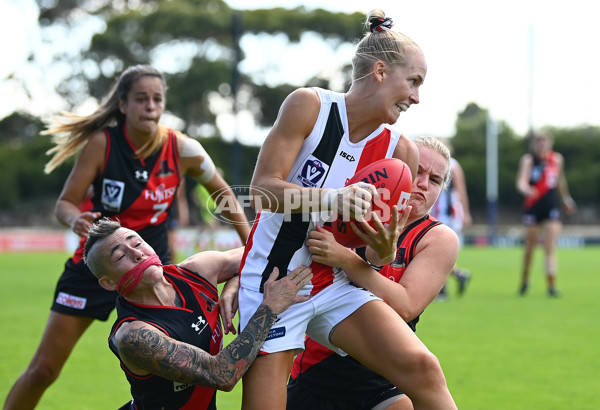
x,y
312,172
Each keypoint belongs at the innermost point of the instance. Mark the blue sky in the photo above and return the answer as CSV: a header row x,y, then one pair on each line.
x,y
477,51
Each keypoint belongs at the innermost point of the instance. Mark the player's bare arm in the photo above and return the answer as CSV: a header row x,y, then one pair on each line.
x,y
215,266
196,162
525,165
435,257
147,350
144,349
89,164
294,123
231,209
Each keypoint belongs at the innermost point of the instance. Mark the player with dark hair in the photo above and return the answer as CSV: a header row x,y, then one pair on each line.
x,y
168,334
134,165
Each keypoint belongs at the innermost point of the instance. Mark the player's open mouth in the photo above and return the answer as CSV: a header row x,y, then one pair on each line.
x,y
401,107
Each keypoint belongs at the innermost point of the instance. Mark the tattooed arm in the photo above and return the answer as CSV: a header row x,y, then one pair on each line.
x,y
145,349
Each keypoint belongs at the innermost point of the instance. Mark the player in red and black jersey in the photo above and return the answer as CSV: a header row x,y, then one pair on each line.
x,y
425,254
541,180
168,334
134,165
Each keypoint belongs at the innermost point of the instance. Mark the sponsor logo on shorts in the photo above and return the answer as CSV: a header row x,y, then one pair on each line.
x,y
180,386
74,302
276,333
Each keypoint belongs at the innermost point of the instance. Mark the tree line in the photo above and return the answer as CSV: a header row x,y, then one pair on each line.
x,y
28,195
203,42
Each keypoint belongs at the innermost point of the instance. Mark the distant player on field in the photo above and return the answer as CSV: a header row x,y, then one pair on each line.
x,y
541,180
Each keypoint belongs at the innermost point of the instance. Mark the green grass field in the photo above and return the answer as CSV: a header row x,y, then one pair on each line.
x,y
498,350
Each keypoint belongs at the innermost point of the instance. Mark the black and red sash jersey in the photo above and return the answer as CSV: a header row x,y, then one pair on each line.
x,y
324,372
544,177
196,322
137,192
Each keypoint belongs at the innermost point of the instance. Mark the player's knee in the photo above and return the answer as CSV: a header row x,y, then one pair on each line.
x,y
434,372
426,365
42,374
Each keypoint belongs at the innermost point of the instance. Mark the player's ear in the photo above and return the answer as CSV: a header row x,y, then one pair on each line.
x,y
379,68
122,106
107,283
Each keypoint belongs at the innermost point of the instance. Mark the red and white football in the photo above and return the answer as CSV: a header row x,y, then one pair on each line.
x,y
393,180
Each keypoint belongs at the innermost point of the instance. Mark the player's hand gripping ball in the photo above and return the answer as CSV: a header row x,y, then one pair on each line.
x,y
393,181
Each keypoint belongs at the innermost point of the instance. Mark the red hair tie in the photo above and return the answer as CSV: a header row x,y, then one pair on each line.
x,y
132,278
381,24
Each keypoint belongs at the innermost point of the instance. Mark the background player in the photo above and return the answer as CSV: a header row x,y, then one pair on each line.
x,y
541,180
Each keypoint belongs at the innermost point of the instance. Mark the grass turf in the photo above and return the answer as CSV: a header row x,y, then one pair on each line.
x,y
498,350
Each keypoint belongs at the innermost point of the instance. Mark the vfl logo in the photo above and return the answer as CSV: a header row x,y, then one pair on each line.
x,y
312,172
347,156
112,194
199,325
141,175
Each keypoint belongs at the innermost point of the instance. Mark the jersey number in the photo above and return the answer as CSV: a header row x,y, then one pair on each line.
x,y
159,208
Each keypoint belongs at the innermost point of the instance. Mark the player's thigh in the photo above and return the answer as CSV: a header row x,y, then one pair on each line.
x,y
60,336
552,228
378,337
266,380
531,234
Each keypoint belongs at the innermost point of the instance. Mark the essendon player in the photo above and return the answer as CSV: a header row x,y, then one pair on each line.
x,y
135,166
541,181
425,254
168,334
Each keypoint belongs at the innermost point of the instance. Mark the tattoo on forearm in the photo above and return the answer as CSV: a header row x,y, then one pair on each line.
x,y
156,353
